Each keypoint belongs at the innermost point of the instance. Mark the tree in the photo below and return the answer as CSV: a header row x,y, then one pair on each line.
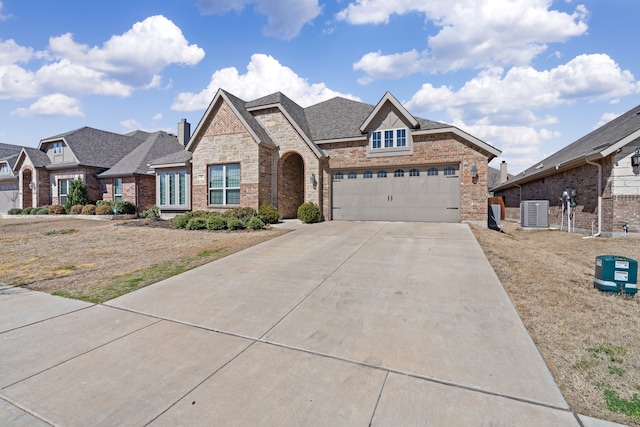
x,y
78,194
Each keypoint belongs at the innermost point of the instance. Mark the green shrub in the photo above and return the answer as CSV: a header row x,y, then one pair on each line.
x,y
179,221
75,210
57,210
34,211
255,223
88,210
153,213
309,213
216,222
122,207
243,214
104,210
26,211
235,224
15,211
197,223
41,211
78,194
268,214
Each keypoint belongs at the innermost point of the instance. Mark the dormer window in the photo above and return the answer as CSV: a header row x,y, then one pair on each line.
x,y
4,168
389,142
57,148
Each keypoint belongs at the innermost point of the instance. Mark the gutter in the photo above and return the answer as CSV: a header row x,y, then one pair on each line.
x,y
599,166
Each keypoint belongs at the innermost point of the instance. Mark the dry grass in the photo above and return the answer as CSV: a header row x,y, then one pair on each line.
x,y
590,340
99,260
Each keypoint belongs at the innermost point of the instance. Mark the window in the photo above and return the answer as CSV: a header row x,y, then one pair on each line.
x,y
57,148
367,174
117,189
4,168
414,172
398,173
432,171
63,190
382,174
172,188
449,170
376,139
401,138
352,175
388,139
338,175
224,184
393,138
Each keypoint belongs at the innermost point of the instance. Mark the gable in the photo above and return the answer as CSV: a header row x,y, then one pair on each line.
x,y
388,117
387,104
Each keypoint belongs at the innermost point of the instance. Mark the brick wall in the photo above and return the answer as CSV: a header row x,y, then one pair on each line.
x,y
145,185
616,209
225,140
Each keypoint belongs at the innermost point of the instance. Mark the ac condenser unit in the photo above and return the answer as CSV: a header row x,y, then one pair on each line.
x,y
534,213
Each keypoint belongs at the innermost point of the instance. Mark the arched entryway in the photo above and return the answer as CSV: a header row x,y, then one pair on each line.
x,y
27,192
290,185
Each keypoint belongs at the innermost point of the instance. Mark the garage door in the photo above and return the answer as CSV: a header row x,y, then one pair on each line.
x,y
8,197
397,194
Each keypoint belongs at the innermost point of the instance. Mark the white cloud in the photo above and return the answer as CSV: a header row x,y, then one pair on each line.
x,y
503,109
264,75
512,96
472,33
4,16
124,63
285,18
55,104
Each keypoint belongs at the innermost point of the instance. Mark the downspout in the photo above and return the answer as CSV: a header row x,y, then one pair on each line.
x,y
599,166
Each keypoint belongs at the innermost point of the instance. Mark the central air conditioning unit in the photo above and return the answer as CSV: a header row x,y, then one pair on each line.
x,y
534,213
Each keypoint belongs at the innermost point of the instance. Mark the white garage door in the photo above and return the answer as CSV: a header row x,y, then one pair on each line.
x,y
397,194
8,198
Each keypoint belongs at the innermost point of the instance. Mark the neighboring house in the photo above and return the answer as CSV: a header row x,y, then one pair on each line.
x,y
114,167
598,166
9,186
355,161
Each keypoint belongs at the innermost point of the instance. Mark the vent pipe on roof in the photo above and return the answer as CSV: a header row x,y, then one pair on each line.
x,y
503,172
184,132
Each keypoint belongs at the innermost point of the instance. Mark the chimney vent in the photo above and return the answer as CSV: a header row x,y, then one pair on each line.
x,y
503,172
184,132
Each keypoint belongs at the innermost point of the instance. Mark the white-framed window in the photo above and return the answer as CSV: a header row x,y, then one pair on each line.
x,y
117,189
389,138
338,176
352,175
432,172
64,185
224,184
382,174
57,148
4,168
172,189
449,170
398,173
367,174
414,172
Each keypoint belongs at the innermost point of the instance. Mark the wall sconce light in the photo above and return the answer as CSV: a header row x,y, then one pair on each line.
x,y
635,162
31,185
312,178
474,171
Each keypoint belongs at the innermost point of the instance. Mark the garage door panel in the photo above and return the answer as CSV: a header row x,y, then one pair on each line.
x,y
403,198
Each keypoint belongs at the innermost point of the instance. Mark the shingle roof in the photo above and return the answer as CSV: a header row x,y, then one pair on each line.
x,y
241,107
96,148
179,157
296,112
9,153
38,158
592,143
156,145
337,118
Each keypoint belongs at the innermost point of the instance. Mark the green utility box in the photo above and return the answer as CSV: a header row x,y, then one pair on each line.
x,y
616,274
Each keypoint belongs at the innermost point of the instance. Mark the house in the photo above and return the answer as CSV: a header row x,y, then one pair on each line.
x,y
599,168
113,166
355,161
9,187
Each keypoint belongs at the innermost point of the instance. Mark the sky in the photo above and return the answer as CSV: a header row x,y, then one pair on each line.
x,y
526,76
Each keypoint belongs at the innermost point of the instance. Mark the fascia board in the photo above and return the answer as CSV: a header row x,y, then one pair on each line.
x,y
618,145
388,97
472,139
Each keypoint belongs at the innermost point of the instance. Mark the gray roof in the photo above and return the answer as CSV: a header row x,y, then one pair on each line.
x,y
179,157
337,118
38,158
96,148
241,107
296,112
156,145
9,153
594,143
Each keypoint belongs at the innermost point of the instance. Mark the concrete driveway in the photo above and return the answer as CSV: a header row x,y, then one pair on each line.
x,y
334,324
